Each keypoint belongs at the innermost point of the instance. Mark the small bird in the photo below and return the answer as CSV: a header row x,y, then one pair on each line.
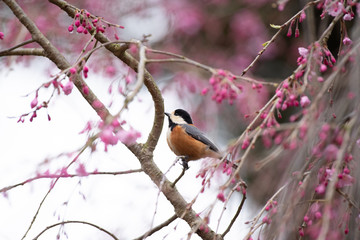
x,y
186,140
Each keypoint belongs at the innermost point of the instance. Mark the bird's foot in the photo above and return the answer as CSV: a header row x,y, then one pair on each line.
x,y
184,162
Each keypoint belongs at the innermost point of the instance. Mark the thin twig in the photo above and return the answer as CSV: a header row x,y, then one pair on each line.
x,y
183,59
256,219
276,35
140,77
235,216
179,177
347,197
160,190
252,143
157,228
19,45
72,221
226,202
52,176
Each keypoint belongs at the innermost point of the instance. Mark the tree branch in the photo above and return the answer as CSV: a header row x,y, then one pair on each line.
x,y
157,228
82,222
235,216
23,52
52,176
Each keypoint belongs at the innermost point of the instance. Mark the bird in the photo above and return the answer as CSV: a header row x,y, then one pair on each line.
x,y
186,140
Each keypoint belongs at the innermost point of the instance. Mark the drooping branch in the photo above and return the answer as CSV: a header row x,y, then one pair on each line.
x,y
81,222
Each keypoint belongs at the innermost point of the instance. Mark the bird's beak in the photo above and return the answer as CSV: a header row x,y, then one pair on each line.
x,y
167,114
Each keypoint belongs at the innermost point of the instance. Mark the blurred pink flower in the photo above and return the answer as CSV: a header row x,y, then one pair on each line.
x,y
347,41
34,102
128,137
68,87
304,101
348,17
188,19
81,171
335,8
221,196
108,137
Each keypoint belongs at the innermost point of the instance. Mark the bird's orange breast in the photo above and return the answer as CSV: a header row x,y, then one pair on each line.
x,y
183,144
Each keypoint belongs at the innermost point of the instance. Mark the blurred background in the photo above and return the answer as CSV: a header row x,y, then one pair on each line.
x,y
223,34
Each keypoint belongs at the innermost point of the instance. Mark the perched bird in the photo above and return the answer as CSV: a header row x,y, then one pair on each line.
x,y
186,140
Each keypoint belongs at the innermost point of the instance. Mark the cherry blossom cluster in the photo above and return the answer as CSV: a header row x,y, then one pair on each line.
x,y
1,35
271,210
211,168
327,148
312,221
58,86
63,172
296,22
288,97
272,136
322,57
112,133
35,107
84,22
336,7
224,87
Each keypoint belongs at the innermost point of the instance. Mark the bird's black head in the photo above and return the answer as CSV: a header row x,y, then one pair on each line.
x,y
179,116
184,115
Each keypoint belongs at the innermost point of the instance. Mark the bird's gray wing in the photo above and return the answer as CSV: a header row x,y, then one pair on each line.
x,y
198,135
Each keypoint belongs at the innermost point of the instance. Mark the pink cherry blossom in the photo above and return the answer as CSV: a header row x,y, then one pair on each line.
x,y
71,28
348,17
304,101
303,51
81,170
347,41
34,102
128,137
72,70
68,87
221,196
108,137
335,8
